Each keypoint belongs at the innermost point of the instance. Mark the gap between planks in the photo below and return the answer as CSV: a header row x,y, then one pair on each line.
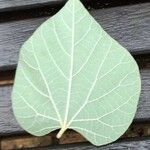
x,y
6,82
7,77
136,130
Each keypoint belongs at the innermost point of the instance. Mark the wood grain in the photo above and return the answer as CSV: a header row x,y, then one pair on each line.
x,y
8,124
127,24
10,5
6,82
25,142
122,145
136,130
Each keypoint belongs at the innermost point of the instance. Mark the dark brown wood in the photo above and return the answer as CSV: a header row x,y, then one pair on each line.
x,y
128,24
141,144
10,143
6,77
8,124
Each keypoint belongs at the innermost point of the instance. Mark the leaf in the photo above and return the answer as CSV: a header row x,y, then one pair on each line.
x,y
73,75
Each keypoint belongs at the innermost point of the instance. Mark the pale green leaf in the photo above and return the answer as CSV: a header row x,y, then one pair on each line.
x,y
72,74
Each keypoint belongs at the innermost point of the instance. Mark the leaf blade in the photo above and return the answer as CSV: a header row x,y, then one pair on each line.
x,y
74,75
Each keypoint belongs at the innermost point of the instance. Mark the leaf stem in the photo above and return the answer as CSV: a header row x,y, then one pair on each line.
x,y
61,132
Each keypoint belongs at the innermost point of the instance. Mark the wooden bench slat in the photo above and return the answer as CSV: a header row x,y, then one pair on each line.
x,y
127,24
10,5
8,124
143,144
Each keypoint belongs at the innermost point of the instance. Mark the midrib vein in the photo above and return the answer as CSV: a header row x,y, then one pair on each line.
x,y
92,87
71,66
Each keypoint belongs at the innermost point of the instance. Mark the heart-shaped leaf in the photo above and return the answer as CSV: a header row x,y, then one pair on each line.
x,y
72,74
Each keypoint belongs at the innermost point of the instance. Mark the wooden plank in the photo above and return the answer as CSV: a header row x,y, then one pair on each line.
x,y
8,124
141,144
5,82
9,5
128,24
25,142
136,130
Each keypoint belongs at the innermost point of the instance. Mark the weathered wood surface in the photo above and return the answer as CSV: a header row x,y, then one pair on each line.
x,y
127,24
10,143
9,5
122,145
8,124
136,130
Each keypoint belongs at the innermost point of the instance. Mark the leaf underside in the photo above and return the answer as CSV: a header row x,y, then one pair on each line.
x,y
72,74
